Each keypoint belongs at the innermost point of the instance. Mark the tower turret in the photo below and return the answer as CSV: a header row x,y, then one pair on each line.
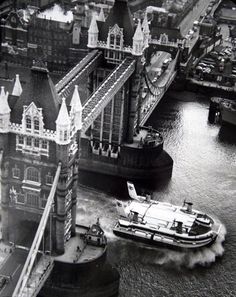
x,y
138,41
17,89
101,16
93,33
146,31
4,112
63,125
76,109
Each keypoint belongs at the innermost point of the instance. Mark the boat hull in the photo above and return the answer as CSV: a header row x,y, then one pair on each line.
x,y
155,239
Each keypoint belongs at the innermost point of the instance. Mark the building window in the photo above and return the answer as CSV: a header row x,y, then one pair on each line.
x,y
16,172
36,142
49,179
29,141
36,125
112,40
28,123
20,198
32,174
21,139
45,144
65,135
61,135
32,199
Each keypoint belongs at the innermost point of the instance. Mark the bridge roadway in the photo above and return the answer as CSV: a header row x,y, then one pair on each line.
x,y
11,269
157,89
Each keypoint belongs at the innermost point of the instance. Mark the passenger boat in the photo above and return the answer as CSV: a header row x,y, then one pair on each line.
x,y
160,223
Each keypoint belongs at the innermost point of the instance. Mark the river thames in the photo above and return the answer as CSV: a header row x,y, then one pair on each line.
x,y
205,173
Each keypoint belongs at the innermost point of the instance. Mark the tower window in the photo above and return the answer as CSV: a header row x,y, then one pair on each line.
x,y
36,142
20,139
32,174
28,123
29,141
49,179
36,125
16,172
45,144
32,199
112,40
65,135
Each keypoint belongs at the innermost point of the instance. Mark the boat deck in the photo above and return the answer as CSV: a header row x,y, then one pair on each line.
x,y
164,215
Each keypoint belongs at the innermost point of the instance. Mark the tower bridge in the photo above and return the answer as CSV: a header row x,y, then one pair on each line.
x,y
48,133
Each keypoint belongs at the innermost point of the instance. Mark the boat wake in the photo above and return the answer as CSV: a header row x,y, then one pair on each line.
x,y
190,259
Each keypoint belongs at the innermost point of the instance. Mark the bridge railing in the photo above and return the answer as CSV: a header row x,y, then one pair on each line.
x,y
74,71
27,269
69,87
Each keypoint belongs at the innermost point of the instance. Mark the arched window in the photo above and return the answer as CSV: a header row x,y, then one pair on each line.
x,y
118,40
65,135
36,142
36,124
28,123
112,40
32,174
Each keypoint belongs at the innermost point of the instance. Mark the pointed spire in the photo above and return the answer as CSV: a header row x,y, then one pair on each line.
x,y
63,118
17,89
93,33
146,31
101,16
76,108
75,101
138,41
145,25
5,109
138,35
93,28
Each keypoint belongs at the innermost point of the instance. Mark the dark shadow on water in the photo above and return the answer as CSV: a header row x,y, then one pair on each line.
x,y
117,186
227,133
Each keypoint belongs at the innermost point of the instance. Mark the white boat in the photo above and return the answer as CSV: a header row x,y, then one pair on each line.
x,y
160,223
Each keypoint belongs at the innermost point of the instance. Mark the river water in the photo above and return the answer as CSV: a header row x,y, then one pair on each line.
x,y
205,173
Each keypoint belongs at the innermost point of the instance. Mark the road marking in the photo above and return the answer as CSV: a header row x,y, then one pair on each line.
x,y
16,269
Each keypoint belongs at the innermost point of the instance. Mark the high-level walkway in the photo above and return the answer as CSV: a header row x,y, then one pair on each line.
x,y
106,91
66,85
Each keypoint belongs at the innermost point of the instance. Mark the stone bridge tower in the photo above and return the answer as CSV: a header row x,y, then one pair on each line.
x,y
37,131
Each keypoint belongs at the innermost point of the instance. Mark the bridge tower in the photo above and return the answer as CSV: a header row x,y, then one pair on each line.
x,y
118,38
37,131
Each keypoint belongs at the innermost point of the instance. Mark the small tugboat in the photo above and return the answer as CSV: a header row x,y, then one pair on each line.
x,y
160,223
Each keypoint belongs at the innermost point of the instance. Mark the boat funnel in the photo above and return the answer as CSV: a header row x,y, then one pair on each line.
x,y
135,217
189,207
179,227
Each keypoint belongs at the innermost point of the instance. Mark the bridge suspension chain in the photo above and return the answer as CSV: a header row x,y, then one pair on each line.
x,y
22,282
